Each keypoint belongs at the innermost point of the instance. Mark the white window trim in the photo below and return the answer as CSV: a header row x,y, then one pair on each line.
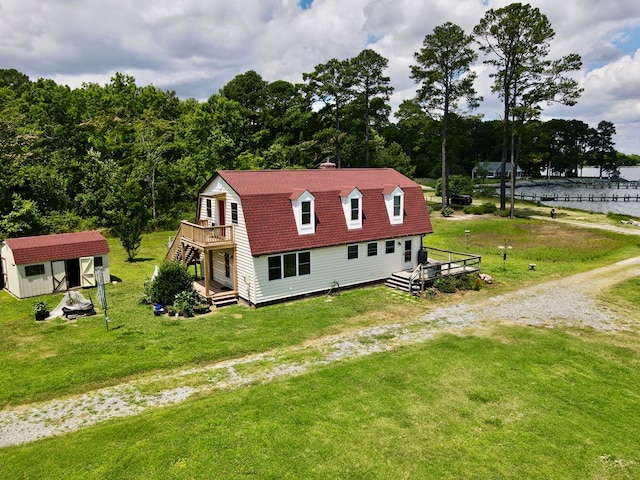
x,y
310,228
346,207
388,200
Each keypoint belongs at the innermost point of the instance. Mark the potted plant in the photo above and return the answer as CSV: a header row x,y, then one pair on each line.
x,y
40,309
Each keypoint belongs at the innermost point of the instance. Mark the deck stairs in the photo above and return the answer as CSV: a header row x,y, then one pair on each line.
x,y
402,281
192,255
224,299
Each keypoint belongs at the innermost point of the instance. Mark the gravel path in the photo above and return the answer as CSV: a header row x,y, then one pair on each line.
x,y
566,302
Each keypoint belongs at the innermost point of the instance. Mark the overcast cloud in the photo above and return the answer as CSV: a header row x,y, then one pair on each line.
x,y
196,46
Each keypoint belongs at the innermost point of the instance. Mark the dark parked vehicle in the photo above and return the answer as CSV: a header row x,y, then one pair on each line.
x,y
461,200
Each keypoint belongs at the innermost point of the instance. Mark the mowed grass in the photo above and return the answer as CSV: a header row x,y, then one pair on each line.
x,y
503,402
43,360
555,248
506,403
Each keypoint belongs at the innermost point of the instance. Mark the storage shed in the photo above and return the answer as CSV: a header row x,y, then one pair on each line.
x,y
32,266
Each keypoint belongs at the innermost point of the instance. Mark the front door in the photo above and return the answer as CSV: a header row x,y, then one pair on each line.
x,y
221,219
59,274
407,255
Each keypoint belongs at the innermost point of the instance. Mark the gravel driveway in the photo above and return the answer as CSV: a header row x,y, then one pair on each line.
x,y
570,301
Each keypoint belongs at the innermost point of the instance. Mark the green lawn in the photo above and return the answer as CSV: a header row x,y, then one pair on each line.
x,y
511,403
78,356
515,403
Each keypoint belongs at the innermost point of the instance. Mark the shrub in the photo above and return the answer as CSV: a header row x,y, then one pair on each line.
x,y
172,279
185,302
450,284
446,284
486,207
447,212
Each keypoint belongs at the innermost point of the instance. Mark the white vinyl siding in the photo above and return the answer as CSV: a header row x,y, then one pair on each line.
x,y
328,266
242,260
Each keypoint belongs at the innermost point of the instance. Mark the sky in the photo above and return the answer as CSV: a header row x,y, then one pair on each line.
x,y
194,47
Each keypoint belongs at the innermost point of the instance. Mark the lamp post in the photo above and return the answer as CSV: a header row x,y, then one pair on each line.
x,y
467,233
504,249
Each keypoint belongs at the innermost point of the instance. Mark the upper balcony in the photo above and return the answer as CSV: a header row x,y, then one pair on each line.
x,y
202,237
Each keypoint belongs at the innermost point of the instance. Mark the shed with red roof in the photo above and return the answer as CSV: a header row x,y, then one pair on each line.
x,y
268,236
39,265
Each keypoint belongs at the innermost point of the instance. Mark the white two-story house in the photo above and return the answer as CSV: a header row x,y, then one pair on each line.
x,y
267,236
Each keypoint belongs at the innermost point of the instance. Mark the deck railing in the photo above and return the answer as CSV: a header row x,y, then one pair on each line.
x,y
205,235
441,263
201,235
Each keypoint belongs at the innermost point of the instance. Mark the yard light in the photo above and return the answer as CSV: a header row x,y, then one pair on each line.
x,y
467,233
504,249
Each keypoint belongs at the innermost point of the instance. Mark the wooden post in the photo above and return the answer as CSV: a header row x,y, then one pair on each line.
x,y
235,270
206,271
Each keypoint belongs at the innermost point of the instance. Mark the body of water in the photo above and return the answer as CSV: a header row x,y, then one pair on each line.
x,y
624,208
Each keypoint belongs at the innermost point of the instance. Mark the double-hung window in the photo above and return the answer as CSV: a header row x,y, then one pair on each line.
x,y
289,265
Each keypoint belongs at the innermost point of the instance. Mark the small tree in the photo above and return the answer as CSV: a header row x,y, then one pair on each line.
x,y
129,230
172,279
23,220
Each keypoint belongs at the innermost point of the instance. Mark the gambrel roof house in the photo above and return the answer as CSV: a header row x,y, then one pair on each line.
x,y
40,265
271,235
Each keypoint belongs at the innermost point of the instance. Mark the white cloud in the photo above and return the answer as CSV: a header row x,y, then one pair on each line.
x,y
197,46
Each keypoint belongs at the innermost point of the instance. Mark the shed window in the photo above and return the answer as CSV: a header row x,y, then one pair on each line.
x,y
352,252
33,270
372,249
397,199
209,208
97,262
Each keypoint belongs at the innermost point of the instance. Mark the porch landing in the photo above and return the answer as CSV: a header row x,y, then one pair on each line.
x,y
219,295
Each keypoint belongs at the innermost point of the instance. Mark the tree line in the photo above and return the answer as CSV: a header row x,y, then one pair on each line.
x,y
130,157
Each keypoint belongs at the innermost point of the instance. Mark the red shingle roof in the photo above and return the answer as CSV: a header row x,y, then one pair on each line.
x,y
271,227
61,246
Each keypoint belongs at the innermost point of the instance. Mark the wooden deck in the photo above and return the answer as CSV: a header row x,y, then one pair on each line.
x,y
219,294
440,263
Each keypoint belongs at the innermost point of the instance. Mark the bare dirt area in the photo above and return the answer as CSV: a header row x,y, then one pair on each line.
x,y
567,302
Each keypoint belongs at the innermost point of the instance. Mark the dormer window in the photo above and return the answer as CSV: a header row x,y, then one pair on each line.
x,y
306,213
394,201
352,205
355,209
303,204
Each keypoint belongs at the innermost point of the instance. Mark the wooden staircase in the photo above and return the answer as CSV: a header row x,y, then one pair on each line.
x,y
403,281
192,255
224,299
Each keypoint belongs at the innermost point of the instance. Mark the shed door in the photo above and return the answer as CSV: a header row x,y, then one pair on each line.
x,y
87,272
4,280
59,274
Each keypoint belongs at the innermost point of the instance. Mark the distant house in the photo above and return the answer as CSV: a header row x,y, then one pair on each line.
x,y
492,170
267,236
31,266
